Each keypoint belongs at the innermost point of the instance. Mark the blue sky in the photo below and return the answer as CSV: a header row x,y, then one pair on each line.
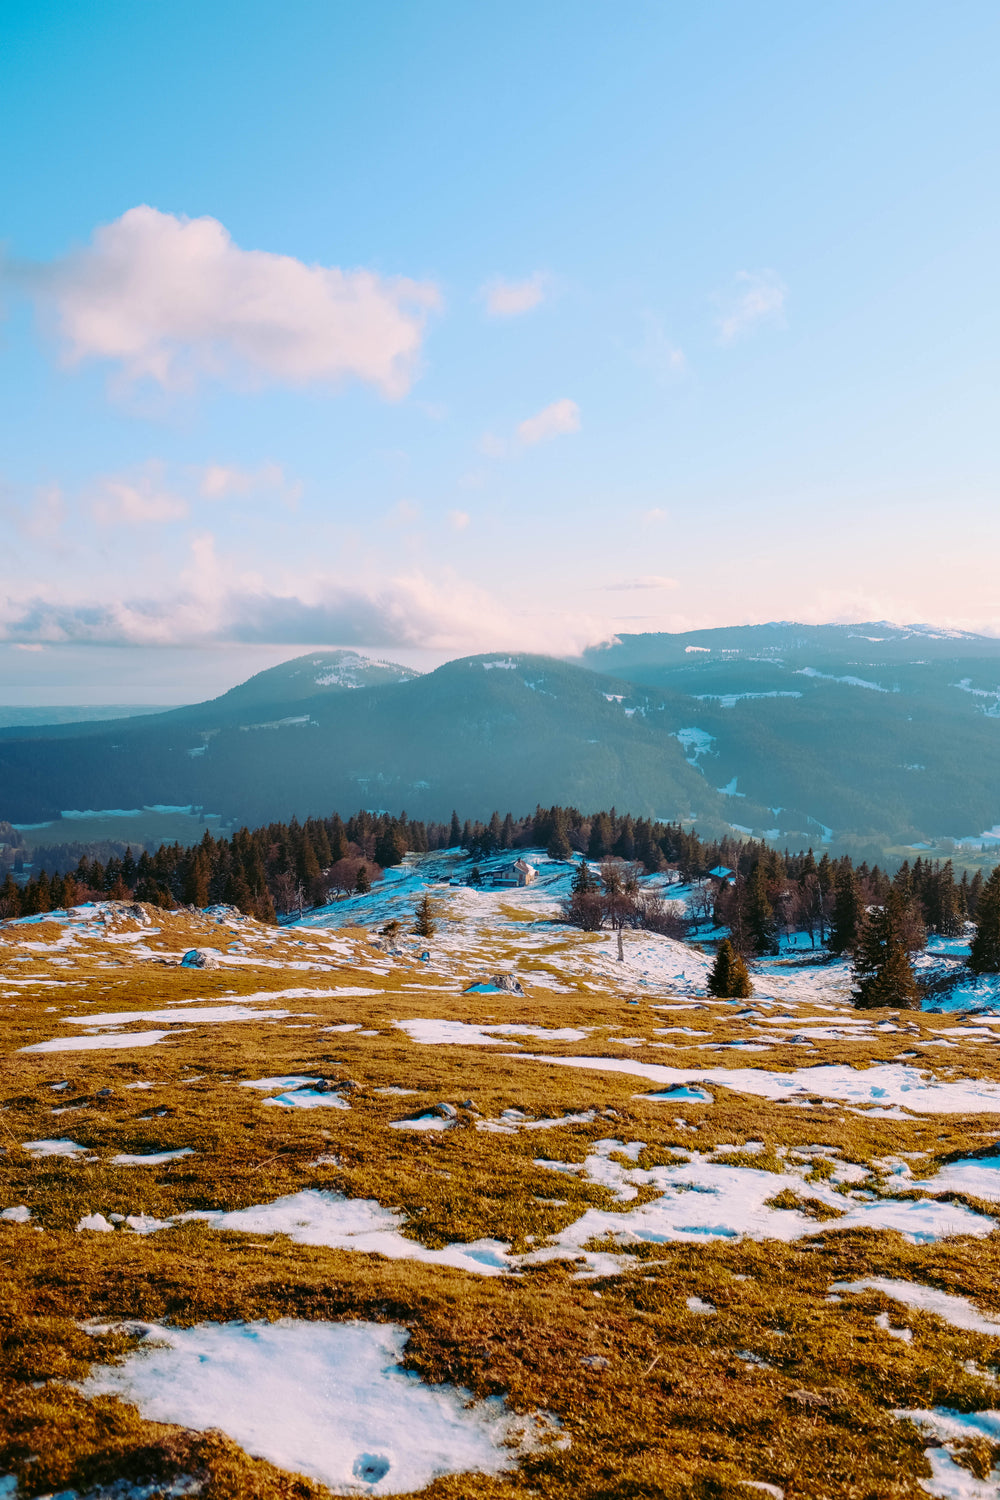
x,y
438,328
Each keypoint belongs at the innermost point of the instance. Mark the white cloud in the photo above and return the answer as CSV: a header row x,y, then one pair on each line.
x,y
459,519
225,481
561,417
171,299
508,299
214,604
757,297
138,499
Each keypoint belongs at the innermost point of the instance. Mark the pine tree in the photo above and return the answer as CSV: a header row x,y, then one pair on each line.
x,y
984,954
559,846
390,846
583,880
601,837
729,979
882,970
454,832
760,920
948,916
10,899
362,883
848,909
423,922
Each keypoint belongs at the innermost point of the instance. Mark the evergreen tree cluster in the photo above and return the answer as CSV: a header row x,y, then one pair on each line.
x,y
277,869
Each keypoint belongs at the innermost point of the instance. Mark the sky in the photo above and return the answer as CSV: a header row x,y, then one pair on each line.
x,y
436,329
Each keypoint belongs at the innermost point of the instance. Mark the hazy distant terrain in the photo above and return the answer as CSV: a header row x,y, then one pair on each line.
x,y
852,735
27,716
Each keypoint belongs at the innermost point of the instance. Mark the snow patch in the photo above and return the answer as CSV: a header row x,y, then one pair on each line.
x,y
329,1400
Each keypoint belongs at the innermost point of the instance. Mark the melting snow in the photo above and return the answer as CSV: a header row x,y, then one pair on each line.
x,y
958,1311
95,1043
885,1083
465,1034
329,1400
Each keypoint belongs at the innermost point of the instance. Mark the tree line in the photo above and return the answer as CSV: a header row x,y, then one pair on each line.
x,y
756,893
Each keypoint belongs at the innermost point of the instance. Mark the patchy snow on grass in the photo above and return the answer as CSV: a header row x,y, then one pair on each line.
x,y
151,1159
110,1041
466,1034
308,1099
885,1084
978,1176
56,1148
207,1014
702,1199
282,1081
422,1122
328,1400
950,1480
313,1217
958,1311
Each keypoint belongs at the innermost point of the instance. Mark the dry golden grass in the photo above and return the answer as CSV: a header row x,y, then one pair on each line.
x,y
671,1403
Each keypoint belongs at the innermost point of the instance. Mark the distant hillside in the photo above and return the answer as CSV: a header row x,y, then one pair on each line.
x,y
480,733
866,737
874,731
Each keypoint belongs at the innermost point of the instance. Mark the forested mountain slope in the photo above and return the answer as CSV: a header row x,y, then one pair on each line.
x,y
863,736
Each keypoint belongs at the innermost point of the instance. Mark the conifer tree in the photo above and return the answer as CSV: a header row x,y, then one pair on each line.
x,y
583,880
729,979
882,970
601,837
362,883
761,925
984,954
848,909
454,832
559,846
423,923
390,846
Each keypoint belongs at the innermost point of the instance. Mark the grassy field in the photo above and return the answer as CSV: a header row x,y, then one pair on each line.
x,y
712,1366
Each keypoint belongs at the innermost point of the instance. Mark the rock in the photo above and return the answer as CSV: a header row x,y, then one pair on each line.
x,y
194,958
447,1111
595,1361
471,1106
827,1397
104,1093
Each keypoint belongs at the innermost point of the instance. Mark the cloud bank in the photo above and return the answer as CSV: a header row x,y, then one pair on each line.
x,y
173,300
211,606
